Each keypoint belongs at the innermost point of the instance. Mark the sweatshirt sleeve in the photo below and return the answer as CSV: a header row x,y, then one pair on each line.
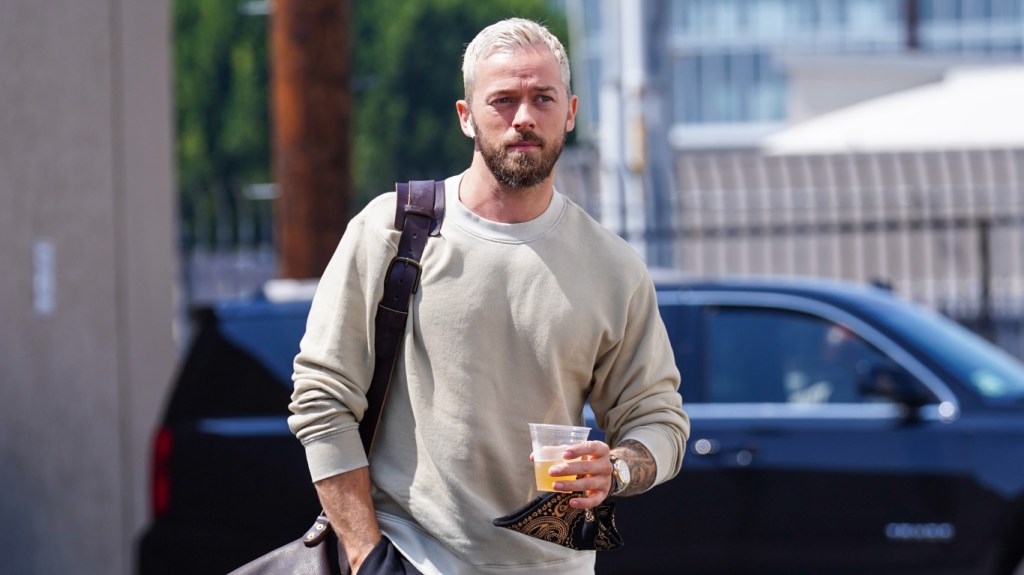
x,y
636,386
335,361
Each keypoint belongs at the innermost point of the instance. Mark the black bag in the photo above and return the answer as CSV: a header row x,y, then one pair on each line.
x,y
419,213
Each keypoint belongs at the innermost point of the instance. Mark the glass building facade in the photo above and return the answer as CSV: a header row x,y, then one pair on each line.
x,y
723,55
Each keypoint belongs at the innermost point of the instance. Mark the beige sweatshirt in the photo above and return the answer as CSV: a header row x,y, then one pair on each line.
x,y
512,324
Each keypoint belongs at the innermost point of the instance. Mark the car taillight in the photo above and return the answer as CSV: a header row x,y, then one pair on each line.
x,y
161,494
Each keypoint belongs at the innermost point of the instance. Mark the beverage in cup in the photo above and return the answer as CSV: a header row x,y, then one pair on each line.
x,y
549,443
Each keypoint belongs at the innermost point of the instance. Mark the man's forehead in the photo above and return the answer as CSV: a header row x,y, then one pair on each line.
x,y
532,62
514,51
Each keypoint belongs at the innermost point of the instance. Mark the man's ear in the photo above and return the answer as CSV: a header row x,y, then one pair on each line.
x,y
465,118
570,121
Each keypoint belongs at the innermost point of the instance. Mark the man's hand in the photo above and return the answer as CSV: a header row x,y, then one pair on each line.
x,y
346,498
594,471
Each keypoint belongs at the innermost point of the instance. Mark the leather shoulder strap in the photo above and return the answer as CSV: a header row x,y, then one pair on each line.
x,y
419,214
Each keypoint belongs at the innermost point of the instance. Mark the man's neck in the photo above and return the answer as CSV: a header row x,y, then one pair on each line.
x,y
483,195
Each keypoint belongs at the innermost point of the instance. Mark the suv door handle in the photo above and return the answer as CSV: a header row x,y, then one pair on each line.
x,y
742,455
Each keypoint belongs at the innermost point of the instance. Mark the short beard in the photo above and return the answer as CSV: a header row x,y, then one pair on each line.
x,y
516,170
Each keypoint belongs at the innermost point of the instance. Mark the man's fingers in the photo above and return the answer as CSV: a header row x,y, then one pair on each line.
x,y
592,500
584,483
592,470
595,449
582,467
594,487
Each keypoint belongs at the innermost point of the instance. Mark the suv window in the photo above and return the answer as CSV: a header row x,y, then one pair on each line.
x,y
989,369
760,355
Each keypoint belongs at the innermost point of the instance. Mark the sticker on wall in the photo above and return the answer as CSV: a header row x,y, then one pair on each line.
x,y
44,285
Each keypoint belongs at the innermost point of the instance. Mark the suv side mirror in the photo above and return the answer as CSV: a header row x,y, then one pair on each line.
x,y
891,382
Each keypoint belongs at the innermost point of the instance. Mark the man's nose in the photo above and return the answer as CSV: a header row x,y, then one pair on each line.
x,y
524,118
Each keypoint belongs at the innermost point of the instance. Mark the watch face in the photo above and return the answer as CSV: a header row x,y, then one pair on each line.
x,y
623,470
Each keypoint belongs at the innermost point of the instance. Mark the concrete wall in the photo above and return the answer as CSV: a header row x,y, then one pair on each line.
x,y
87,260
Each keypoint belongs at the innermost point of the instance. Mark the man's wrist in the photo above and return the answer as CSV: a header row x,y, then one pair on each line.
x,y
641,465
356,553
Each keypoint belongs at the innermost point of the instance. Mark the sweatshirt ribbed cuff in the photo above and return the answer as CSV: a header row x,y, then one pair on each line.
x,y
335,454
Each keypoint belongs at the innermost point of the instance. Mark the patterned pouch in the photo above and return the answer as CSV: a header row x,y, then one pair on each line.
x,y
550,518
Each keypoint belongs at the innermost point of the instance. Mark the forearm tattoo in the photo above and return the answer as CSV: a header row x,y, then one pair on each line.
x,y
642,469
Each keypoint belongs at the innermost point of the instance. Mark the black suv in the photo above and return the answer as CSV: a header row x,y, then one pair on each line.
x,y
835,429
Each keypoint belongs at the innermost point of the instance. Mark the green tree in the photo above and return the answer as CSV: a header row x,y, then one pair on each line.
x,y
221,115
408,62
407,76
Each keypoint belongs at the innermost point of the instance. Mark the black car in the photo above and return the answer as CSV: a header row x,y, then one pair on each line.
x,y
835,429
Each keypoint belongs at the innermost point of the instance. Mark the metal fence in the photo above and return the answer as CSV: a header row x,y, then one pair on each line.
x,y
945,228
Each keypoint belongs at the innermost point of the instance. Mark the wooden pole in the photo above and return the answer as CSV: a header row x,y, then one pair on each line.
x,y
311,115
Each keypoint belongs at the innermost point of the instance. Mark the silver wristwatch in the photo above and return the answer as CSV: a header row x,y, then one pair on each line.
x,y
620,475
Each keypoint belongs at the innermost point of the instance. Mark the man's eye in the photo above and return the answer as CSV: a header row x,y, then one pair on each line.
x,y
543,98
503,100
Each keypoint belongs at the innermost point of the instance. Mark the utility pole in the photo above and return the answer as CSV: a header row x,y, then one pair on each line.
x,y
311,115
634,90
911,20
635,158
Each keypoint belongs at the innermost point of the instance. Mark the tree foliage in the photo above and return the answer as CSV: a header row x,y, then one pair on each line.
x,y
408,62
407,58
221,115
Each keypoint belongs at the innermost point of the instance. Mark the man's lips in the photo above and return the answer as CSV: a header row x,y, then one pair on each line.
x,y
520,146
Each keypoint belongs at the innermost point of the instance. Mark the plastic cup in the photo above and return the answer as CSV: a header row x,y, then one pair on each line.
x,y
549,443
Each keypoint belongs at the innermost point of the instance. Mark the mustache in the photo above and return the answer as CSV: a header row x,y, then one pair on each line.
x,y
522,137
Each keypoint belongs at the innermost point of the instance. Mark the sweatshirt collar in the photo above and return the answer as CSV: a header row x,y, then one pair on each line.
x,y
466,220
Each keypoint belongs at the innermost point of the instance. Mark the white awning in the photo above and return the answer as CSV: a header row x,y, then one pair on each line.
x,y
972,108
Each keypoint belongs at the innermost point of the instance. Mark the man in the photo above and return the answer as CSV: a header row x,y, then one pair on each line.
x,y
526,309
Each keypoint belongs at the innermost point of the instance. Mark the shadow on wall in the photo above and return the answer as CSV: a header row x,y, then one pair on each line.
x,y
23,534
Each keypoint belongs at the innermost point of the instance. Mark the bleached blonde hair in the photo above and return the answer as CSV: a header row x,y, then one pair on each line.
x,y
510,35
